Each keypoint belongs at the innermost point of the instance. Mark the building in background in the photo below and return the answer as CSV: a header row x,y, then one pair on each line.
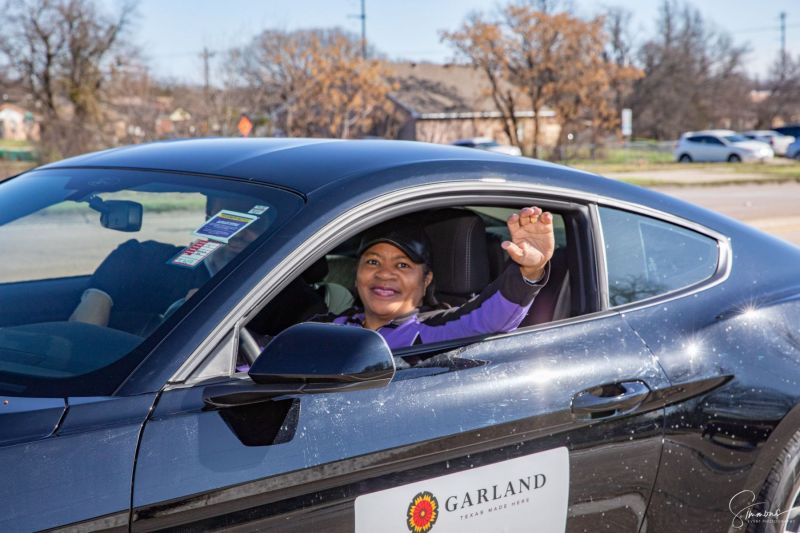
x,y
442,103
17,123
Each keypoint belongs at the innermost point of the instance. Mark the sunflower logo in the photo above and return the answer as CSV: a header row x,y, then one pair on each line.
x,y
422,512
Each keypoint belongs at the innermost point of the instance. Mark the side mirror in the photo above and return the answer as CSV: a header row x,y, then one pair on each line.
x,y
311,358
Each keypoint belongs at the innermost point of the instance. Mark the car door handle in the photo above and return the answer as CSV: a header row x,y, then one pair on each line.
x,y
610,399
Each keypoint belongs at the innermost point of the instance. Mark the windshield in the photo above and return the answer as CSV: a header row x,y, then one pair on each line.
x,y
94,261
736,138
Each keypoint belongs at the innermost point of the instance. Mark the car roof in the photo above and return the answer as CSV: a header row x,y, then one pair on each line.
x,y
306,165
303,165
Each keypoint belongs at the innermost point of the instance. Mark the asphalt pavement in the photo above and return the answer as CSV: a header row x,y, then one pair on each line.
x,y
755,199
770,207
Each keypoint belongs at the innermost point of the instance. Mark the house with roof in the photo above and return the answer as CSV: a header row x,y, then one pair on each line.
x,y
441,103
17,123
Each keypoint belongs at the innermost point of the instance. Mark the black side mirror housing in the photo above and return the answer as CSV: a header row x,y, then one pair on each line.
x,y
311,358
313,353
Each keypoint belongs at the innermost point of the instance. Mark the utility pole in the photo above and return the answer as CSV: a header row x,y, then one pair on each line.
x,y
364,30
783,43
363,17
206,55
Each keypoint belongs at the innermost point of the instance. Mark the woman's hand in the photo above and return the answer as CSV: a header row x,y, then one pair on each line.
x,y
532,241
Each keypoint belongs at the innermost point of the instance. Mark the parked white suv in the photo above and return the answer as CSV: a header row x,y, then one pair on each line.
x,y
720,145
777,141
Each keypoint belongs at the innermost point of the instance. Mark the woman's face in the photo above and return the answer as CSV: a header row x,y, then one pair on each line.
x,y
389,283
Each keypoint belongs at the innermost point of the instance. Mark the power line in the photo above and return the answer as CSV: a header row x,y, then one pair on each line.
x,y
764,29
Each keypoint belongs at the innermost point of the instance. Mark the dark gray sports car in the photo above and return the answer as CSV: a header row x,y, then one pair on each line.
x,y
158,370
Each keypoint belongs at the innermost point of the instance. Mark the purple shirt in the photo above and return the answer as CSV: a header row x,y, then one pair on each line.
x,y
499,308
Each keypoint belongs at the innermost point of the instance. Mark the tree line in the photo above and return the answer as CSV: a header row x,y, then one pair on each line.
x,y
87,81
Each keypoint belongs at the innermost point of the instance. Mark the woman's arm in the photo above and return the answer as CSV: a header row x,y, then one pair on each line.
x,y
504,303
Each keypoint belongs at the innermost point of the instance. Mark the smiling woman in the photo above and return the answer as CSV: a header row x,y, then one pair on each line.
x,y
395,283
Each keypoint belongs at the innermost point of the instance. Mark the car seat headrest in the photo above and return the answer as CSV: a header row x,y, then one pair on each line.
x,y
460,261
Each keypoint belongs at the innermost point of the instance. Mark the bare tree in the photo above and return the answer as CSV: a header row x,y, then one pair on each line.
x,y
481,43
783,93
693,79
587,83
620,51
314,83
60,50
535,56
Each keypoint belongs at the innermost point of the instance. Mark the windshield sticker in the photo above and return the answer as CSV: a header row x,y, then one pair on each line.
x,y
507,496
224,225
195,253
258,210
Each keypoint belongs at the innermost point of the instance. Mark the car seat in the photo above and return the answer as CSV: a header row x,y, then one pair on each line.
x,y
553,301
460,259
466,258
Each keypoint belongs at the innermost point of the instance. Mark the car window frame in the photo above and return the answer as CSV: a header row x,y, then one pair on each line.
x,y
441,193
474,193
721,273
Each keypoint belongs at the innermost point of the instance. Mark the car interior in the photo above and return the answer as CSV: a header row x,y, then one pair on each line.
x,y
466,257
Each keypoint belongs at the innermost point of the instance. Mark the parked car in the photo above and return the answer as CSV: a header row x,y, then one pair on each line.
x,y
777,141
793,151
488,144
720,145
654,382
791,129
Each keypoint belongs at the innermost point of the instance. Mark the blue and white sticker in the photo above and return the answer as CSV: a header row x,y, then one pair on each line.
x,y
223,226
515,496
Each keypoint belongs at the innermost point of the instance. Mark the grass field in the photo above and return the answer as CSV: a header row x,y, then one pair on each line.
x,y
13,143
622,160
152,202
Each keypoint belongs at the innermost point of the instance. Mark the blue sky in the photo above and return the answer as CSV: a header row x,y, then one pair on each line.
x,y
172,33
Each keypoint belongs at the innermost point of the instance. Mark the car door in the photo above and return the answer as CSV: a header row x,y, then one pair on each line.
x,y
695,146
717,150
578,403
302,462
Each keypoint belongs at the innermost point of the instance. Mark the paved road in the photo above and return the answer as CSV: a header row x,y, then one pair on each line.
x,y
774,208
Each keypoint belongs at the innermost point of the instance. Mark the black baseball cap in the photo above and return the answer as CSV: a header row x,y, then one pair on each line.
x,y
404,234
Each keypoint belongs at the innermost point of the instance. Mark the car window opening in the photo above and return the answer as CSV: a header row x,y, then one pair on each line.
x,y
466,257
